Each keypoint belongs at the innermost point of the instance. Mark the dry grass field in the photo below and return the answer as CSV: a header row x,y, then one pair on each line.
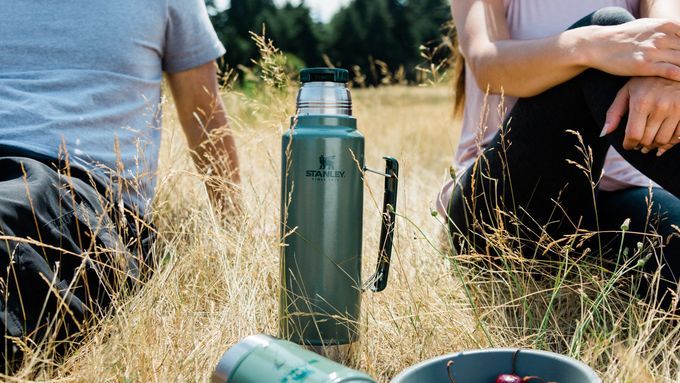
x,y
217,282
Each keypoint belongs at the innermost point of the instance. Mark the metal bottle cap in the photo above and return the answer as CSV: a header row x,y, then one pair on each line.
x,y
324,92
324,74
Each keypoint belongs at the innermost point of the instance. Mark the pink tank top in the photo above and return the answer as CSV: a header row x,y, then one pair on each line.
x,y
531,19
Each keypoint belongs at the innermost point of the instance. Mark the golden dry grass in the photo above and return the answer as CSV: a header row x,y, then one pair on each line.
x,y
217,283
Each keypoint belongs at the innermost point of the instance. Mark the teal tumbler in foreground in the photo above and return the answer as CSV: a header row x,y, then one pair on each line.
x,y
263,359
321,217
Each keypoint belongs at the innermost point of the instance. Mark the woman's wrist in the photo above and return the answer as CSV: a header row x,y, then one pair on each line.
x,y
586,47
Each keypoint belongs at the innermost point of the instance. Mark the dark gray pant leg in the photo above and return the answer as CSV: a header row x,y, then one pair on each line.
x,y
60,256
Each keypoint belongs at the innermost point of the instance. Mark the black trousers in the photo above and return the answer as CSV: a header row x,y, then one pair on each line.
x,y
539,174
65,252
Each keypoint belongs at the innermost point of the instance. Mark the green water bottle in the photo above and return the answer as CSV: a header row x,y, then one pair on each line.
x,y
264,359
321,218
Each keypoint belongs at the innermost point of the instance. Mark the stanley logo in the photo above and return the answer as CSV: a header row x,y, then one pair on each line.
x,y
327,162
326,169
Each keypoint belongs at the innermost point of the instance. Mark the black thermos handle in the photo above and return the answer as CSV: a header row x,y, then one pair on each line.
x,y
388,223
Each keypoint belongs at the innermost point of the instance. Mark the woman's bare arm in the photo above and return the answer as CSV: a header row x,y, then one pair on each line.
x,y
523,68
519,68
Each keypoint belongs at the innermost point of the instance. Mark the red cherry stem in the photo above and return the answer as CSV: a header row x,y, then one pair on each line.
x,y
448,371
514,361
530,378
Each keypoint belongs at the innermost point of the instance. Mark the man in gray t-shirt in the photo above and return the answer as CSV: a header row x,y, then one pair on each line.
x,y
87,74
80,85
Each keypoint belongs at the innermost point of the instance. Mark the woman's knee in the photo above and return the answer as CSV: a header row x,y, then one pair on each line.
x,y
611,16
605,16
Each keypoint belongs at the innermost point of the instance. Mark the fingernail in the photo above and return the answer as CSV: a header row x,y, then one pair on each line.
x,y
660,152
644,150
604,130
637,147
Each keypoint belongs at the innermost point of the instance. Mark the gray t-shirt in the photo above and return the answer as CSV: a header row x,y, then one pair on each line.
x,y
88,73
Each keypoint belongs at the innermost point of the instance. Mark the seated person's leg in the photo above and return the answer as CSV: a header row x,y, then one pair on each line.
x,y
61,258
527,181
659,218
530,168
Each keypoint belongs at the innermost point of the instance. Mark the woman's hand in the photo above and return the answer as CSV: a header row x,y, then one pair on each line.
x,y
644,47
653,106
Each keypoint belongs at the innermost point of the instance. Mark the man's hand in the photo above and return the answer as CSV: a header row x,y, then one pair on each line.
x,y
653,106
204,120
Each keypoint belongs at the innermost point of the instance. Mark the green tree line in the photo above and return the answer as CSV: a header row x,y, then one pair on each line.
x,y
372,38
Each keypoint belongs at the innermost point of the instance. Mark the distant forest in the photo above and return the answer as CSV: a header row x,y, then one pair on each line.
x,y
378,40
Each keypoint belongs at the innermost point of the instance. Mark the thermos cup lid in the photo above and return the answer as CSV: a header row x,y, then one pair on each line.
x,y
233,357
324,75
263,359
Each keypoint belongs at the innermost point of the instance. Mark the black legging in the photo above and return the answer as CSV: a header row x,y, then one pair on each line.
x,y
525,171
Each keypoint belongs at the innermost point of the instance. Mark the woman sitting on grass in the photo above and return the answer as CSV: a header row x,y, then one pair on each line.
x,y
593,109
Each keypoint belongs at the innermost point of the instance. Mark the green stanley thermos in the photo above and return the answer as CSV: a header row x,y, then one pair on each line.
x,y
264,359
321,218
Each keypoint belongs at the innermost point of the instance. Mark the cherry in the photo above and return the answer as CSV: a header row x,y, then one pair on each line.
x,y
503,378
514,378
509,378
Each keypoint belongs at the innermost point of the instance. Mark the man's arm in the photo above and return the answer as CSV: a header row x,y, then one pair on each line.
x,y
204,120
